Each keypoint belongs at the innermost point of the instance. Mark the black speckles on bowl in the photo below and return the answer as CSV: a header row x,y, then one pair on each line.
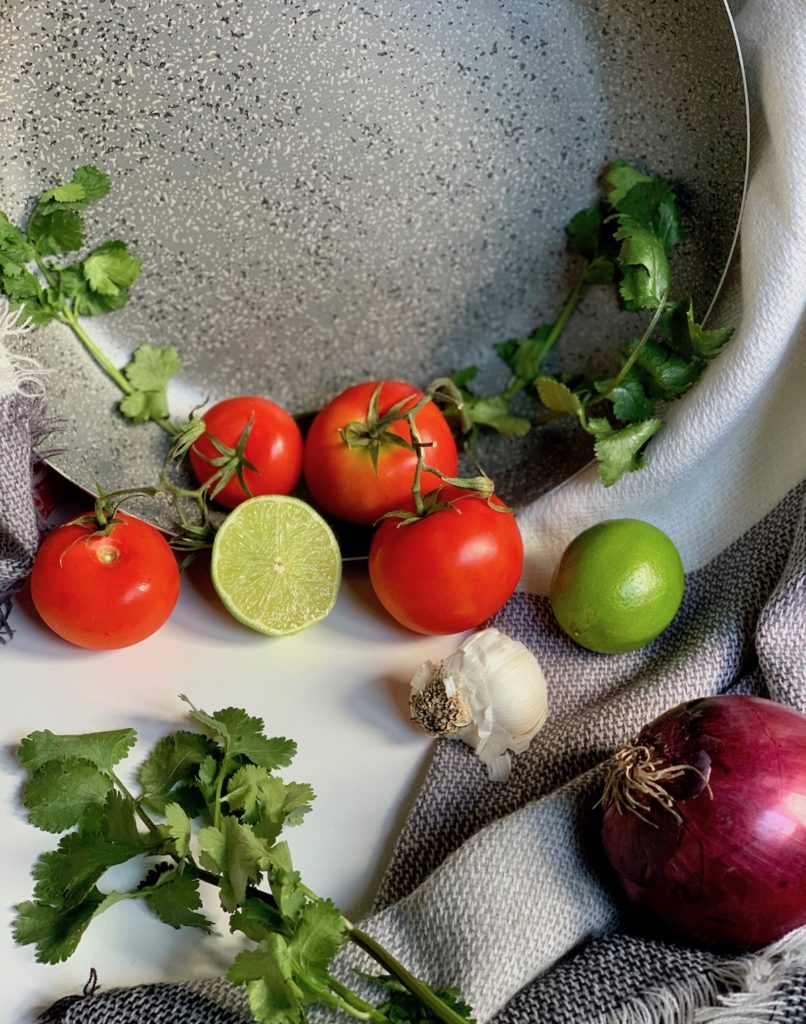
x,y
321,194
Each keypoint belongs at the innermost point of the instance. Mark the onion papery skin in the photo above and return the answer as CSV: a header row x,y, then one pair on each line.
x,y
727,870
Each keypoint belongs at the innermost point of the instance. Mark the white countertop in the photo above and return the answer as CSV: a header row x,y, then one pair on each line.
x,y
340,689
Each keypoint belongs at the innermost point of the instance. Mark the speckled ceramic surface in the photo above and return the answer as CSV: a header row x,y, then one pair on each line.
x,y
321,194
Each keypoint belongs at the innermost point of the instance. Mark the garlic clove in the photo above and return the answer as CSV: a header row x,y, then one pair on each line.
x,y
491,693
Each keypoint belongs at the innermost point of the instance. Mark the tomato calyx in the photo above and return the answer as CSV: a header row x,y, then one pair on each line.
x,y
230,461
373,431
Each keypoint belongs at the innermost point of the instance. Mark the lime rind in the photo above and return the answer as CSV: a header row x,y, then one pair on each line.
x,y
276,565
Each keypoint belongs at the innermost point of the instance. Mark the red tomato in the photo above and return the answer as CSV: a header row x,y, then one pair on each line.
x,y
274,447
450,570
342,478
105,588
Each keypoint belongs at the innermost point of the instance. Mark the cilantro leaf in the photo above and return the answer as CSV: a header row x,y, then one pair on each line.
x,y
111,268
629,398
56,232
267,973
102,749
288,893
94,182
71,192
652,205
256,918
267,802
149,371
558,397
494,412
524,356
86,302
174,898
644,265
619,451
67,875
402,1008
21,286
621,178
667,374
61,792
242,736
584,232
321,931
15,249
166,772
87,185
177,824
233,851
55,930
690,339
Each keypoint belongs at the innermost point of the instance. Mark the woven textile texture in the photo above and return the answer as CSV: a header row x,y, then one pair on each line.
x,y
22,428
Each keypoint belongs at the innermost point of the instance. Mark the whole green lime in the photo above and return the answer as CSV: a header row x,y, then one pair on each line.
x,y
618,585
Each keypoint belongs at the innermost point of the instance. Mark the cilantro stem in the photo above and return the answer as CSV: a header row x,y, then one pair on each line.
x,y
397,970
141,814
360,1008
67,316
562,319
653,323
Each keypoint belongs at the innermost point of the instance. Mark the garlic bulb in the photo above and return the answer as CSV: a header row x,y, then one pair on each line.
x,y
491,693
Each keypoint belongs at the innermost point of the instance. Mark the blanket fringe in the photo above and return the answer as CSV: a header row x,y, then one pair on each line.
x,y
18,374
747,990
752,986
675,1003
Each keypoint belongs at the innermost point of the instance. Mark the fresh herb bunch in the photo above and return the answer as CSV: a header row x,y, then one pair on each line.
x,y
624,241
211,809
37,278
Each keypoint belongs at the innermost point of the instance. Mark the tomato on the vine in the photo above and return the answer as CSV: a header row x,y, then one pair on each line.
x,y
105,588
451,569
267,456
354,464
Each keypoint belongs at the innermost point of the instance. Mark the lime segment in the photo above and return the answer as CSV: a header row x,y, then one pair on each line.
x,y
276,564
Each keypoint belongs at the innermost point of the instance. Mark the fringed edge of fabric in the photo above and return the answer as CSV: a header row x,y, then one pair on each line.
x,y
19,375
747,990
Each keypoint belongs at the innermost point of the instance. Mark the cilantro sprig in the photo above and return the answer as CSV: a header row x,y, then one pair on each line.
x,y
211,810
624,241
42,278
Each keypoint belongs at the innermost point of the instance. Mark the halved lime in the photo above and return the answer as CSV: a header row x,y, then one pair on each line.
x,y
276,564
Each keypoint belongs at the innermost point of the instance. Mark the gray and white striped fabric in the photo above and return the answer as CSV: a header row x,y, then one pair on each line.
x,y
22,428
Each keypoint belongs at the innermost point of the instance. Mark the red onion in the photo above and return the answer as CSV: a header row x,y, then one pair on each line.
x,y
705,821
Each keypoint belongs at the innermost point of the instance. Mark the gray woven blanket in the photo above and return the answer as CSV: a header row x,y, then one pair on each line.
x,y
22,428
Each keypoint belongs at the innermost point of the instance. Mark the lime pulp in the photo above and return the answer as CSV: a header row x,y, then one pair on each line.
x,y
276,564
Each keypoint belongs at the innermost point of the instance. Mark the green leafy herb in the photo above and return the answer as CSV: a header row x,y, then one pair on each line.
x,y
38,281
223,809
624,242
149,373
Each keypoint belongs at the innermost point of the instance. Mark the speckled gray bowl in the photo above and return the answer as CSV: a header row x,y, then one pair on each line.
x,y
322,194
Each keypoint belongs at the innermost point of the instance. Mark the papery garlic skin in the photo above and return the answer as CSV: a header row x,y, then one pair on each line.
x,y
491,693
